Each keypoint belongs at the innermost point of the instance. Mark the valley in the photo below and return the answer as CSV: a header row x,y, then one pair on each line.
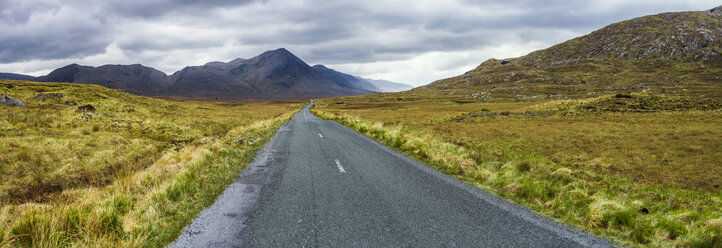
x,y
612,138
616,132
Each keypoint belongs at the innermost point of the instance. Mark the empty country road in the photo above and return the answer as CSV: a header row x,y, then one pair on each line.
x,y
319,184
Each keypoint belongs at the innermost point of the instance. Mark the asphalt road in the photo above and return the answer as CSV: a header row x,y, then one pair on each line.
x,y
319,184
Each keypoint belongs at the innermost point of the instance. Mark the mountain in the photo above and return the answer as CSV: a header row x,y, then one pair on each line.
x,y
135,79
365,83
388,86
342,77
276,74
13,76
671,53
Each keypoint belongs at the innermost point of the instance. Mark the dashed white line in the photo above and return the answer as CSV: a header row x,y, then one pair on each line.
x,y
340,168
320,135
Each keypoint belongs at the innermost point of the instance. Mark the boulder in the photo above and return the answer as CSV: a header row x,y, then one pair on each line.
x,y
86,108
70,103
45,96
9,101
716,11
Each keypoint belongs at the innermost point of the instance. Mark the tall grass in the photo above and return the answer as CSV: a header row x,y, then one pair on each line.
x,y
606,204
131,174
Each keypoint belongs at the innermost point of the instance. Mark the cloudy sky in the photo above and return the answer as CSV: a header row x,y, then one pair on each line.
x,y
410,41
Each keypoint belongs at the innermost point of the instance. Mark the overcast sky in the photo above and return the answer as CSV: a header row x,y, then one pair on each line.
x,y
409,41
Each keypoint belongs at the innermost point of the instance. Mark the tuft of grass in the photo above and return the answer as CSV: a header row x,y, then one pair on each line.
x,y
132,173
643,232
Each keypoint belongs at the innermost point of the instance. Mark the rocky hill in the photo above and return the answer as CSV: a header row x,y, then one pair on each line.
x,y
671,53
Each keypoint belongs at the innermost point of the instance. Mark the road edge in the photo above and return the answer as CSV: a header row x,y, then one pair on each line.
x,y
570,232
241,197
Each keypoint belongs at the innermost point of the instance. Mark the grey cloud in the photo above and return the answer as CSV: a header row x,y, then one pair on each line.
x,y
334,32
149,9
53,34
39,29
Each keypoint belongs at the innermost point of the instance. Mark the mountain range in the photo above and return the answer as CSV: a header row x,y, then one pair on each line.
x,y
669,53
276,74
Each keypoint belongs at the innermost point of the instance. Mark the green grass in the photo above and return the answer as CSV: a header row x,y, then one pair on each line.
x,y
640,178
132,173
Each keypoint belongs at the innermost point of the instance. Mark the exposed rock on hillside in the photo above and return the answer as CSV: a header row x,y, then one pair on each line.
x,y
9,101
45,96
670,53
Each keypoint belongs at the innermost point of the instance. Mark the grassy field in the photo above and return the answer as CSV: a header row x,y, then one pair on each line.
x,y
129,171
640,169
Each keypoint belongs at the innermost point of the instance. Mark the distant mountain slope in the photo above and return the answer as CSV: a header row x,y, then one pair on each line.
x,y
135,79
674,53
388,86
276,74
343,77
13,76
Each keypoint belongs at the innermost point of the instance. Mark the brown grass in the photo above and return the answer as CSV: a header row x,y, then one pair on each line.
x,y
131,173
598,170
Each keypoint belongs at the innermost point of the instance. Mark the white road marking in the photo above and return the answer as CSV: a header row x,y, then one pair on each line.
x,y
340,168
320,135
304,115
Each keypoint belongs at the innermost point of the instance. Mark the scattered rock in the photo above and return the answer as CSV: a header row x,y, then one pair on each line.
x,y
243,141
716,11
86,108
9,101
70,103
623,96
45,96
504,62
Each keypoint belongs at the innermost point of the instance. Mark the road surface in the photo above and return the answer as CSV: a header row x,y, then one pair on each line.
x,y
319,184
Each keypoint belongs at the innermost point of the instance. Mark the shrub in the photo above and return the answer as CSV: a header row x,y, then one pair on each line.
x,y
173,192
620,218
121,204
523,166
111,222
643,231
26,227
673,228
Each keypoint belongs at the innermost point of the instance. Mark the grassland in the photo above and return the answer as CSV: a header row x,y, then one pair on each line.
x,y
640,169
129,172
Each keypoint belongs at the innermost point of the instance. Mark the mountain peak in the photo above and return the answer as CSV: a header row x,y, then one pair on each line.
x,y
278,52
320,67
279,58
